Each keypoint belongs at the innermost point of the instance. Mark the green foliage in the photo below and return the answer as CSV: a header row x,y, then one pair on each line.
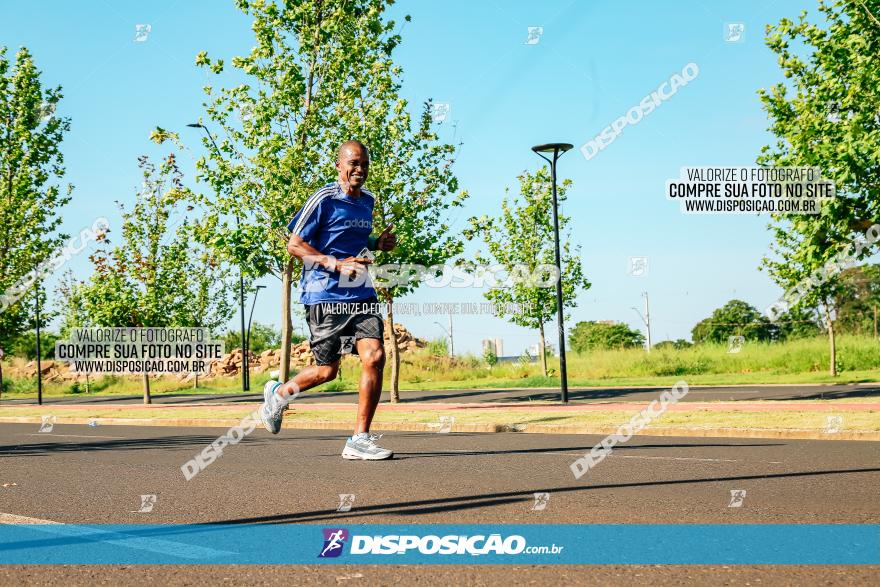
x,y
489,356
825,115
157,276
280,128
590,336
438,347
677,344
798,322
735,318
860,300
31,167
262,337
319,73
25,345
411,175
522,237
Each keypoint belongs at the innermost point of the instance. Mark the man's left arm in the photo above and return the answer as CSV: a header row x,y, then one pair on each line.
x,y
386,241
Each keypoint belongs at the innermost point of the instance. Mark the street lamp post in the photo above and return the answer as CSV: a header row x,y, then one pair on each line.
x,y
250,319
646,319
39,350
557,149
245,383
448,333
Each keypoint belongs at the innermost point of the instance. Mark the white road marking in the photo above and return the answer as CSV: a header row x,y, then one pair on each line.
x,y
168,547
13,519
660,458
675,458
79,436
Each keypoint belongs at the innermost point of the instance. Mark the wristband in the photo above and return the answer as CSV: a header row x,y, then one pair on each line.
x,y
372,243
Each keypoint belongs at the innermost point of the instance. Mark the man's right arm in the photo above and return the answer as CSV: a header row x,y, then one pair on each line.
x,y
309,255
312,257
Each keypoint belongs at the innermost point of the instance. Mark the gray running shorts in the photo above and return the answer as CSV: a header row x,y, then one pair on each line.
x,y
336,326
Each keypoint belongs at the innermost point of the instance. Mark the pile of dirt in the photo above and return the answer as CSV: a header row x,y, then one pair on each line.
x,y
406,342
51,371
301,354
229,365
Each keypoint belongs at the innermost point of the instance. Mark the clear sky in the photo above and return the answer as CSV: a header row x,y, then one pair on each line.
x,y
594,61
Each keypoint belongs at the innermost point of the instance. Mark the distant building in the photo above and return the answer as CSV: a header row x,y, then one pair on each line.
x,y
535,351
496,345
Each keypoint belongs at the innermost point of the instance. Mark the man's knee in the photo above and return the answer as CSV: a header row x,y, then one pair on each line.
x,y
374,358
328,372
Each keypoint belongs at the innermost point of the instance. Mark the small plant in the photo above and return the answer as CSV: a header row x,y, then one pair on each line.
x,y
438,348
490,358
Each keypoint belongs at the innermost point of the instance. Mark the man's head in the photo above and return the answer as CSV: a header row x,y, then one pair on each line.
x,y
353,164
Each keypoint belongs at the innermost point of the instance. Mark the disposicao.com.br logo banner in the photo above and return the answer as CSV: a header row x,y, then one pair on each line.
x,y
498,544
421,543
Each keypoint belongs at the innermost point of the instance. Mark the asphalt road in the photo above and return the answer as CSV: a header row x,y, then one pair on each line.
x,y
78,474
591,395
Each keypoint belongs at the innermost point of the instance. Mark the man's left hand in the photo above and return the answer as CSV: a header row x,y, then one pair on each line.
x,y
386,241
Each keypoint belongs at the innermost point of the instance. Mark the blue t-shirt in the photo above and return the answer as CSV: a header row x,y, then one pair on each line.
x,y
335,224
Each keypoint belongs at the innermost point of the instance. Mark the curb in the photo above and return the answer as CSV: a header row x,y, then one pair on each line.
x,y
483,428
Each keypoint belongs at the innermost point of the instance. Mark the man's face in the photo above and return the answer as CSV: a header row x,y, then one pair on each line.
x,y
353,166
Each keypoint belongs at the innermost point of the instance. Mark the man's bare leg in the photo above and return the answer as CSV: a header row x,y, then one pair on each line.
x,y
372,355
311,376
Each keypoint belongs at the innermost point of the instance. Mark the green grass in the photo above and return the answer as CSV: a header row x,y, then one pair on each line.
x,y
700,418
800,361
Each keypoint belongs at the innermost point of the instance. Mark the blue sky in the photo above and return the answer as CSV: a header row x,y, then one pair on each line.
x,y
594,61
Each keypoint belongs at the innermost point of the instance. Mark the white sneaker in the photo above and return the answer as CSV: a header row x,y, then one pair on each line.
x,y
272,410
363,447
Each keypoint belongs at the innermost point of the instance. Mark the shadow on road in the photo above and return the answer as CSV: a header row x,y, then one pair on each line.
x,y
469,502
44,448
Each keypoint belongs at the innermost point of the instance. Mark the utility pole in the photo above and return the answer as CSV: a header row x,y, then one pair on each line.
x,y
646,319
452,344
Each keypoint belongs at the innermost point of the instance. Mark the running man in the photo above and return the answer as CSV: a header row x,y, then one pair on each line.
x,y
329,234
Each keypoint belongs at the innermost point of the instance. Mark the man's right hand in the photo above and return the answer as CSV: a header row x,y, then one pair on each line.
x,y
352,266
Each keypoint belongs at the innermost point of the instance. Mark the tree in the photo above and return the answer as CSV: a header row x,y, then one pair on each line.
x,y
310,57
590,336
857,307
798,322
31,165
262,337
411,176
152,279
521,242
826,116
735,318
677,344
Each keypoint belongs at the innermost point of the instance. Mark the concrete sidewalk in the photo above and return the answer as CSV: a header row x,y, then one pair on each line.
x,y
796,420
523,396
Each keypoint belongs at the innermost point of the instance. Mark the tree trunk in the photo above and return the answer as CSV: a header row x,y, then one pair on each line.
x,y
196,382
875,321
833,367
542,350
147,399
286,323
395,354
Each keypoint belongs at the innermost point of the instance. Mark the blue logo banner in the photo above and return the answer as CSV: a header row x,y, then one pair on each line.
x,y
824,544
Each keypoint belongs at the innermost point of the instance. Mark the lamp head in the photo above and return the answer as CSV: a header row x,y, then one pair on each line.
x,y
552,148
